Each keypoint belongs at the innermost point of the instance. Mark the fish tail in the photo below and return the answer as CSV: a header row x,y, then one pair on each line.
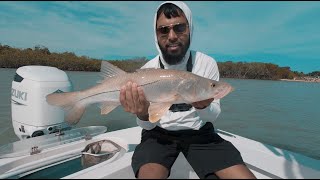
x,y
71,104
63,99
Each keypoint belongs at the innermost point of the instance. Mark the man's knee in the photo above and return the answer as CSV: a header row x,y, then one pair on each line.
x,y
153,171
239,171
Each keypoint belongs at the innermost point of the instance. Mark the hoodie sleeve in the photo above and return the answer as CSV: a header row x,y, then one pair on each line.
x,y
146,124
207,67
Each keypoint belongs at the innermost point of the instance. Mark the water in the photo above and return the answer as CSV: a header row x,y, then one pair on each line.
x,y
279,113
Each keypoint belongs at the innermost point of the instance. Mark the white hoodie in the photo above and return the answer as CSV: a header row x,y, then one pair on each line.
x,y
203,65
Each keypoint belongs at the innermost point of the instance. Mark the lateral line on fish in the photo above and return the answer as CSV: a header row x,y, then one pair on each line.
x,y
118,90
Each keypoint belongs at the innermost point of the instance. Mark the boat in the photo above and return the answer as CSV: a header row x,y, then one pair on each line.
x,y
54,150
54,161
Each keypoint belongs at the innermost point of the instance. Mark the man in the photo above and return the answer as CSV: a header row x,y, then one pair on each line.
x,y
184,128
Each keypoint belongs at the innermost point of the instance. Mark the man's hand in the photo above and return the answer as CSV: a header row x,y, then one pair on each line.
x,y
202,104
133,100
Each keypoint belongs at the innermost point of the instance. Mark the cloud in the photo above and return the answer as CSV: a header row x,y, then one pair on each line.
x,y
94,29
246,27
110,29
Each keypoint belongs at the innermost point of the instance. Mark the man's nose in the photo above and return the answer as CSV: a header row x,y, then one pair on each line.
x,y
172,35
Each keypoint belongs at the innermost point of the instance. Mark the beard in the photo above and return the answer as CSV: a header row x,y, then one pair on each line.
x,y
174,58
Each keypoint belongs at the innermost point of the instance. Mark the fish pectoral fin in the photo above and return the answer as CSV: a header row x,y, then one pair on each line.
x,y
157,110
186,89
107,107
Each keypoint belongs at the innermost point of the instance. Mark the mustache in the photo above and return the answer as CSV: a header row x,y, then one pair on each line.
x,y
174,44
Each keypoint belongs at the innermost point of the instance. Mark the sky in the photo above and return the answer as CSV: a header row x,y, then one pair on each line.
x,y
285,33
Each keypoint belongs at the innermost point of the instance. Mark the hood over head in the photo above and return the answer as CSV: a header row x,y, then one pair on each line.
x,y
187,12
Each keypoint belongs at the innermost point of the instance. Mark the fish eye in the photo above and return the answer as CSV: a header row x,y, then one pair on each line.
x,y
213,85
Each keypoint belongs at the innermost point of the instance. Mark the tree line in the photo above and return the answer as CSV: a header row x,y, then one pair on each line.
x,y
40,55
69,61
256,70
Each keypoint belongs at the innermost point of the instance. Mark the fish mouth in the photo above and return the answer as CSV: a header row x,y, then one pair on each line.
x,y
225,92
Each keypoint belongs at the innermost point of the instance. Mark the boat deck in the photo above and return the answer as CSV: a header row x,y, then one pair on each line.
x,y
265,161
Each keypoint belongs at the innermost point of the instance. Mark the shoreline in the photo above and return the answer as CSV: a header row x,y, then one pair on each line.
x,y
312,80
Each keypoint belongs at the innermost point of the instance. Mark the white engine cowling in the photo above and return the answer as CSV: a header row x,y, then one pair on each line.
x,y
31,114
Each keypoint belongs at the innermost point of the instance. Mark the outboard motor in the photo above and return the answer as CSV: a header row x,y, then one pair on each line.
x,y
31,114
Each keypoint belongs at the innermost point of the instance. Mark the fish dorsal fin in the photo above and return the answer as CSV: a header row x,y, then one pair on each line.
x,y
157,110
109,70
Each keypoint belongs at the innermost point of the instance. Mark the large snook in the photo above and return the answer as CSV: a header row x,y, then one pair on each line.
x,y
161,87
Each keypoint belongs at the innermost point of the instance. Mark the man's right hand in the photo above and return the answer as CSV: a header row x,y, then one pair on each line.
x,y
133,100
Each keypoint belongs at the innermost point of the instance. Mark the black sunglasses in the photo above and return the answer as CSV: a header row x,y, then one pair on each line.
x,y
178,28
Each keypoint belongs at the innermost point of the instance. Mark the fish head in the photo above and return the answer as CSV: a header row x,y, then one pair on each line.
x,y
208,89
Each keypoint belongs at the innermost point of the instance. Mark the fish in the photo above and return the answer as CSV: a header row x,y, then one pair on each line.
x,y
162,88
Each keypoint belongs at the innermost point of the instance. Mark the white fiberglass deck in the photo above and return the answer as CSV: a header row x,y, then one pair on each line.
x,y
265,161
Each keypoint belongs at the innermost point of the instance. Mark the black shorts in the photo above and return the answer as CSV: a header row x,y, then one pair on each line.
x,y
204,149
